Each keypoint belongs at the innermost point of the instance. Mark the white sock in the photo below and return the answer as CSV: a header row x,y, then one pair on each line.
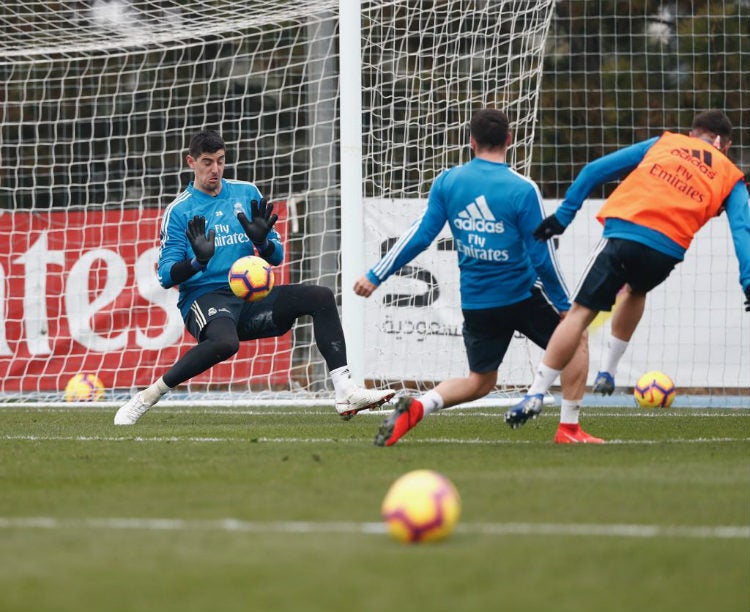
x,y
431,401
543,380
153,394
569,410
342,381
615,350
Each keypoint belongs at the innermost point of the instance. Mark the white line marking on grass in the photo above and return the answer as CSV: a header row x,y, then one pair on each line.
x,y
453,412
623,531
718,532
603,412
32,438
264,440
500,442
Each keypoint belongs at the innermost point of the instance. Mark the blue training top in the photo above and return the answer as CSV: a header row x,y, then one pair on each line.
x,y
492,211
231,241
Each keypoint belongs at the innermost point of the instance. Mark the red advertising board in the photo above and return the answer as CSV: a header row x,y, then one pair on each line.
x,y
80,294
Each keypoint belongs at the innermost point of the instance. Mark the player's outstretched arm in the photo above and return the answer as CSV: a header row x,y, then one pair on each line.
x,y
738,215
612,166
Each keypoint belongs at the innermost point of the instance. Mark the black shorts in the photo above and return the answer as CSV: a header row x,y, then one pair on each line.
x,y
253,319
616,262
488,332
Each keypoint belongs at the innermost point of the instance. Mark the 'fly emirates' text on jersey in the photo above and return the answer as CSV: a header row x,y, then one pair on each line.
x,y
231,241
492,212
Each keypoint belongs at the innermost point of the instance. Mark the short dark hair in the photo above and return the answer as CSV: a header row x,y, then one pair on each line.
x,y
206,141
713,121
490,127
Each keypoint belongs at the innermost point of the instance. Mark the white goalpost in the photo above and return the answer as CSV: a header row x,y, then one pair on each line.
x,y
334,108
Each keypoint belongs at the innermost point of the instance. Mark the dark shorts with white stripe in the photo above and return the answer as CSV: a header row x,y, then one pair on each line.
x,y
616,262
489,331
253,319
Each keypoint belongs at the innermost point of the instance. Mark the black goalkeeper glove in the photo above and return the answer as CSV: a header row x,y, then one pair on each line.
x,y
747,299
263,221
203,246
548,228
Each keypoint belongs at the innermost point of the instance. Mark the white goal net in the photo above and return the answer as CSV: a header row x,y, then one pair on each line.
x,y
99,100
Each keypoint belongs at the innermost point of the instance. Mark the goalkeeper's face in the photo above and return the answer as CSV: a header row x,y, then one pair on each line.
x,y
208,169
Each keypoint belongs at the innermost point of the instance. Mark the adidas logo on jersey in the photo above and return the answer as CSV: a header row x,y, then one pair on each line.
x,y
694,158
477,217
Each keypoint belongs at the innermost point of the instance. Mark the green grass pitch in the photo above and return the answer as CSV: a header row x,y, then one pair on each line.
x,y
278,509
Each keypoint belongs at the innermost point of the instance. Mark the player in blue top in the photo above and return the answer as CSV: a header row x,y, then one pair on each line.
x,y
509,281
241,223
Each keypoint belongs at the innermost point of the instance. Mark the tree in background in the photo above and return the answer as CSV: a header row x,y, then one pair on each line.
x,y
619,72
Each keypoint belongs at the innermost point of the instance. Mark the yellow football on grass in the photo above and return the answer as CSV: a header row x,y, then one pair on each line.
x,y
421,506
84,388
654,390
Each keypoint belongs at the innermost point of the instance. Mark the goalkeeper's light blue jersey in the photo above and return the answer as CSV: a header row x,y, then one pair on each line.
x,y
231,241
492,211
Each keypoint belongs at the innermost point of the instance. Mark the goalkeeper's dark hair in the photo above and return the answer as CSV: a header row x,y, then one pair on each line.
x,y
206,141
713,121
490,127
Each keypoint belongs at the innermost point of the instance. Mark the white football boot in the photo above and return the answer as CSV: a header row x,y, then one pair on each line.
x,y
129,413
360,399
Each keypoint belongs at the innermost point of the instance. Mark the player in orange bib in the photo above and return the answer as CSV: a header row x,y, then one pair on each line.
x,y
672,186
